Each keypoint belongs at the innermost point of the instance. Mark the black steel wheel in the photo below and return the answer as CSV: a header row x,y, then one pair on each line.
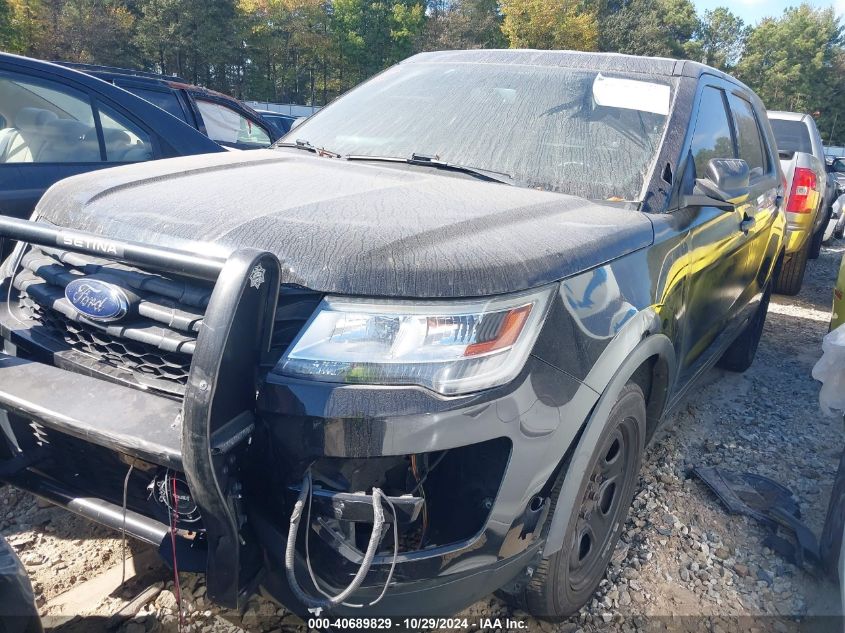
x,y
566,580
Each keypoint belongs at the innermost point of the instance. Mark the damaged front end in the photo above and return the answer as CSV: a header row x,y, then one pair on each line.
x,y
172,420
156,406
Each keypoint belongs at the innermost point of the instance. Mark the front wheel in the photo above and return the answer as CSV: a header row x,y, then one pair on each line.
x,y
565,581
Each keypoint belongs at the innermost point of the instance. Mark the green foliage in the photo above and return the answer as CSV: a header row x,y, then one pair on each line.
x,y
719,40
96,31
789,57
550,24
793,62
647,27
464,24
6,31
195,40
373,34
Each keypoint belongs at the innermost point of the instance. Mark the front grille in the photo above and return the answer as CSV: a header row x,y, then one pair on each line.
x,y
121,354
153,346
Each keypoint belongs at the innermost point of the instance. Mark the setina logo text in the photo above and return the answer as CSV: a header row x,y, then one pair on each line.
x,y
97,299
88,243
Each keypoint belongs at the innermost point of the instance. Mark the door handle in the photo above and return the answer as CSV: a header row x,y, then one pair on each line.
x,y
748,223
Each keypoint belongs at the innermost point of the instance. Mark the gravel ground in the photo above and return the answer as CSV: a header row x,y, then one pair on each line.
x,y
681,553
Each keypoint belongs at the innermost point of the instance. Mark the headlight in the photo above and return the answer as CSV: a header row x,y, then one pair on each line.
x,y
451,347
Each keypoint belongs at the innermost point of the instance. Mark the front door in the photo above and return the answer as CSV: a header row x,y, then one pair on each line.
x,y
717,242
49,131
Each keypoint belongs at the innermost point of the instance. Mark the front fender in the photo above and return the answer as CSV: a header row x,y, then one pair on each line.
x,y
633,346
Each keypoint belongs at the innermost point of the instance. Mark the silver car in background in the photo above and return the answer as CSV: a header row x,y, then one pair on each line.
x,y
810,192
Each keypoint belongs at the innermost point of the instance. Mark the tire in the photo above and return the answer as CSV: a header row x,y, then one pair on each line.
x,y
818,237
791,276
740,355
831,541
816,243
565,581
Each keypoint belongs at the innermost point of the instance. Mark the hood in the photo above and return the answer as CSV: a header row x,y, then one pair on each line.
x,y
349,227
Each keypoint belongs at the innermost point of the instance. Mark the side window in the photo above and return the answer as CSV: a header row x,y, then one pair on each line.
x,y
125,142
45,122
167,101
748,136
712,137
226,126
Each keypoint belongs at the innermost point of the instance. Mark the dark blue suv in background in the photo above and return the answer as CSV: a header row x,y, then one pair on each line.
x,y
222,118
56,122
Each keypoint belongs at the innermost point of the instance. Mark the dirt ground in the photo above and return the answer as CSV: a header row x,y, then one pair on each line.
x,y
681,554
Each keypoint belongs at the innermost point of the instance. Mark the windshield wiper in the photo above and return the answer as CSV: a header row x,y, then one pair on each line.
x,y
424,160
308,147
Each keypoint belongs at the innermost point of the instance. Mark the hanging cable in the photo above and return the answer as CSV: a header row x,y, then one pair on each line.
x,y
174,517
328,600
421,488
123,526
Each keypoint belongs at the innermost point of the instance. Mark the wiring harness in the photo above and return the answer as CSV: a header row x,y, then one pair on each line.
x,y
328,601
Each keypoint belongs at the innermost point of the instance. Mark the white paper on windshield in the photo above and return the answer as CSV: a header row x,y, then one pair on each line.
x,y
631,94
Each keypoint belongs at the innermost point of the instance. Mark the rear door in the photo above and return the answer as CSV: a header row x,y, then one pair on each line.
x,y
755,148
52,130
48,131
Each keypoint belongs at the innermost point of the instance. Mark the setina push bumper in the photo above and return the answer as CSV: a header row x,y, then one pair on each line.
x,y
71,426
139,387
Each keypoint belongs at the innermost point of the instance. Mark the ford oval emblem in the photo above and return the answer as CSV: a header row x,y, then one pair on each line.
x,y
97,300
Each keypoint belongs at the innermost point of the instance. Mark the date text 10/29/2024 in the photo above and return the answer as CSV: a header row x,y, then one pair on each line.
x,y
418,624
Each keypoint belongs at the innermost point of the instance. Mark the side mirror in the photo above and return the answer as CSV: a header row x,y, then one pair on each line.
x,y
725,185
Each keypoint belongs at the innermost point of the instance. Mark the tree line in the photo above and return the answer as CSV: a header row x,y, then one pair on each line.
x,y
310,51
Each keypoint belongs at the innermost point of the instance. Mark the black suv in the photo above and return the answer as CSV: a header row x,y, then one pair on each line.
x,y
413,356
222,118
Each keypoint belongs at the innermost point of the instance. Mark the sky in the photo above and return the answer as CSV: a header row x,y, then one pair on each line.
x,y
752,11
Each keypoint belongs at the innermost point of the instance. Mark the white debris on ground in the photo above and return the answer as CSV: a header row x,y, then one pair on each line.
x,y
681,554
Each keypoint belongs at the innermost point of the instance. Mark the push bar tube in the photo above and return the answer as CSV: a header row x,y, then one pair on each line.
x,y
97,510
161,258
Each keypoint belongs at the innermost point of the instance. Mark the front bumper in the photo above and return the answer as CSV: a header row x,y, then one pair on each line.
x,y
505,447
493,456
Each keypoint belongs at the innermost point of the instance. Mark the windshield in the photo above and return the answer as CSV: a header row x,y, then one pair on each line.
x,y
572,131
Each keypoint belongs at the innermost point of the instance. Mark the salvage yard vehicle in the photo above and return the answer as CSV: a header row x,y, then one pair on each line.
x,y
413,354
222,118
810,193
282,122
56,122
